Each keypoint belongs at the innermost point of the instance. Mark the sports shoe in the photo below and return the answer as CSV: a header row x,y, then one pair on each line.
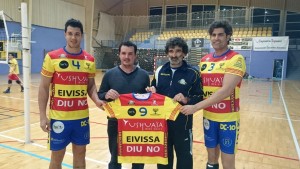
x,y
7,91
22,89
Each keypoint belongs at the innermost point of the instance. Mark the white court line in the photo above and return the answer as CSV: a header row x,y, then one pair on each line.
x,y
17,98
16,128
39,145
290,124
278,118
298,90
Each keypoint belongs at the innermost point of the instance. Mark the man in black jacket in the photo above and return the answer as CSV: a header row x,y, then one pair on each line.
x,y
178,80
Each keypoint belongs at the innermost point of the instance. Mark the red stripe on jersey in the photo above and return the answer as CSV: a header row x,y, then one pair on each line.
x,y
224,106
60,53
228,56
70,78
63,104
142,125
157,100
150,150
46,73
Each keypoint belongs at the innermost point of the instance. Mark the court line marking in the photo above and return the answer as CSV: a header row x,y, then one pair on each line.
x,y
290,123
279,118
18,98
41,146
298,90
32,154
270,94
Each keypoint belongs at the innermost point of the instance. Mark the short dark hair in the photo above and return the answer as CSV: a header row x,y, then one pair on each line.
x,y
176,41
74,23
128,44
221,24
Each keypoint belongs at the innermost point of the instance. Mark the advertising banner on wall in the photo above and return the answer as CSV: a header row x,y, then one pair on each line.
x,y
197,42
280,43
240,44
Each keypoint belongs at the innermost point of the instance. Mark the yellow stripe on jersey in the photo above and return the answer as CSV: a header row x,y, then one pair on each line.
x,y
67,65
70,91
70,115
142,137
236,65
146,160
211,89
221,117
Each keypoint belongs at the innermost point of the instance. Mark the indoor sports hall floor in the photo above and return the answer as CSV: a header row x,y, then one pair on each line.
x,y
269,132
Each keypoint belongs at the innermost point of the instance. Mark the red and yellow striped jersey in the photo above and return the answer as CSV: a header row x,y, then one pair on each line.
x,y
70,74
213,70
142,126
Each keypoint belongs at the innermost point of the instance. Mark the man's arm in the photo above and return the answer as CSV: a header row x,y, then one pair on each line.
x,y
104,89
195,95
43,97
92,92
230,81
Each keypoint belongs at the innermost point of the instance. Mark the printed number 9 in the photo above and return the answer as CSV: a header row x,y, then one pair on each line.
x,y
143,111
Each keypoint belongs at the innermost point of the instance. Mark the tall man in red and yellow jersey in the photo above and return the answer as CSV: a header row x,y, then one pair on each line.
x,y
222,72
68,73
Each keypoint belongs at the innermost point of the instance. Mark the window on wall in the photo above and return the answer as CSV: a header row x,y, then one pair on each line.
x,y
202,15
266,17
235,15
293,25
181,16
155,16
176,16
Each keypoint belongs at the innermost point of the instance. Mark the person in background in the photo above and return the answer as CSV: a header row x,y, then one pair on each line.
x,y
122,79
180,81
222,72
70,72
13,73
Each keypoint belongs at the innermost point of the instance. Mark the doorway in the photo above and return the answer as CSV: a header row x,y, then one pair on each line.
x,y
278,68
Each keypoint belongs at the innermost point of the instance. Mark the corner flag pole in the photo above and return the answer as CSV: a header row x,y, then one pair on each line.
x,y
26,70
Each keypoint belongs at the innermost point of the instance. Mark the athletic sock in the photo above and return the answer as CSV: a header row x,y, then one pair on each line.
x,y
212,166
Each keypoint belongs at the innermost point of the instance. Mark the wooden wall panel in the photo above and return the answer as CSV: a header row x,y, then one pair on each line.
x,y
10,8
274,4
204,2
55,13
138,7
154,3
234,2
293,5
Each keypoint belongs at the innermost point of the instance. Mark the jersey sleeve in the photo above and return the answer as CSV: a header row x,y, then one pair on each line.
x,y
110,108
236,66
48,67
92,72
173,109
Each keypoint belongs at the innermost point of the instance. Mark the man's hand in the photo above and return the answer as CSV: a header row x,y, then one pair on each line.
x,y
45,125
112,94
188,109
180,98
151,89
100,104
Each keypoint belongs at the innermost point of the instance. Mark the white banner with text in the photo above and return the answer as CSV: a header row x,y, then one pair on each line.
x,y
280,43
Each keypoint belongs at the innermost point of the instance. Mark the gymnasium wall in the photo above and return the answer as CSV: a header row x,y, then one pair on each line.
x,y
46,39
260,64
